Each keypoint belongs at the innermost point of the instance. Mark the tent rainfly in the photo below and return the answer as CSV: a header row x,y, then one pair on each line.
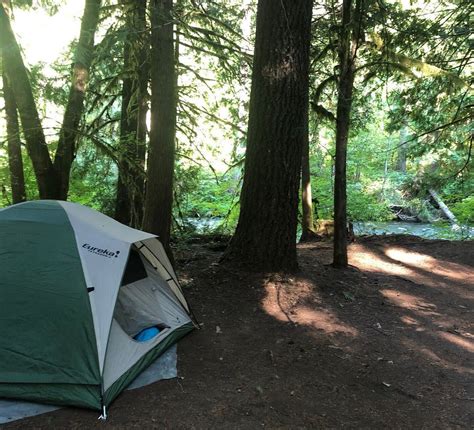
x,y
77,290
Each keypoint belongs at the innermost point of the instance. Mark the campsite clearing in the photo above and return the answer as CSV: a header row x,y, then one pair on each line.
x,y
387,343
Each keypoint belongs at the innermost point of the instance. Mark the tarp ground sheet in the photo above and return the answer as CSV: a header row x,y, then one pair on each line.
x,y
163,368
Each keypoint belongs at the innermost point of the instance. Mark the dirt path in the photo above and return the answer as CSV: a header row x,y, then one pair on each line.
x,y
388,343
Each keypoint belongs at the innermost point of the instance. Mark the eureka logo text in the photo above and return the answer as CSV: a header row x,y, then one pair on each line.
x,y
100,251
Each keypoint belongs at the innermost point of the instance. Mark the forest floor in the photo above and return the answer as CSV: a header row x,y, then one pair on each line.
x,y
387,343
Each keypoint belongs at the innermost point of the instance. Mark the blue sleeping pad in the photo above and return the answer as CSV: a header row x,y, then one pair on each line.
x,y
147,334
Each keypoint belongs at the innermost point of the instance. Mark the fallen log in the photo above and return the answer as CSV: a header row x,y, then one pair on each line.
x,y
442,206
403,214
407,218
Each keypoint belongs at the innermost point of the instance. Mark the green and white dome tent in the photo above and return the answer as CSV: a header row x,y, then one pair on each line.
x,y
75,288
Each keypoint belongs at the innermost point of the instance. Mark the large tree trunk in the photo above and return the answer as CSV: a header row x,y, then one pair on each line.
x,y
68,135
52,179
159,192
348,45
17,75
308,231
143,73
402,150
128,122
129,203
265,237
15,160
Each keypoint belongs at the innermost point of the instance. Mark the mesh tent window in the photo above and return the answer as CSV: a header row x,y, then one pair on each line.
x,y
138,303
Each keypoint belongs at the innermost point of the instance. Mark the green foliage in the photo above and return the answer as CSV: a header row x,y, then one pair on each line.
x,y
93,187
422,208
362,203
364,206
323,202
215,46
204,195
464,210
4,182
30,181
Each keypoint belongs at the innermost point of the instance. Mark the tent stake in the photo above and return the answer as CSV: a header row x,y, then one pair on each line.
x,y
104,414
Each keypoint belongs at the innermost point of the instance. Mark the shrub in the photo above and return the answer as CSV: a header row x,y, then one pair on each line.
x,y
464,210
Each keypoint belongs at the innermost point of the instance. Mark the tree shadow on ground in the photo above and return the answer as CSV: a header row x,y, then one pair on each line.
x,y
325,348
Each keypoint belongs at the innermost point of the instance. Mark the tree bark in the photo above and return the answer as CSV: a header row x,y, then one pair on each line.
x,y
128,128
402,150
17,75
52,179
308,231
129,202
265,238
348,45
68,134
159,192
142,106
15,160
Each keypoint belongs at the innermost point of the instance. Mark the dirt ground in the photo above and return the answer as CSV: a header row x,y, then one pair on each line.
x,y
387,343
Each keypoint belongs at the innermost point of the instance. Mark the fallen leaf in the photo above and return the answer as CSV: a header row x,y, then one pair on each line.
x,y
348,296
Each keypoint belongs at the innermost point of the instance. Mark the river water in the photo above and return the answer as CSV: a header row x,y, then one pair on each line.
x,y
204,225
425,230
